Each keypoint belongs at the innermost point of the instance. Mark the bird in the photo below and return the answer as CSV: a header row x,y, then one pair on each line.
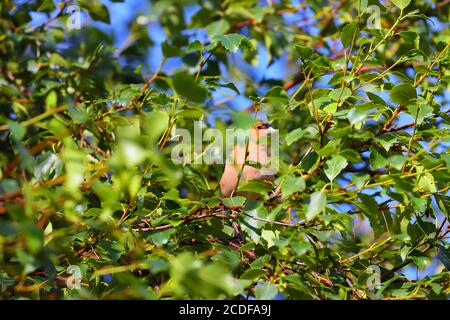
x,y
256,151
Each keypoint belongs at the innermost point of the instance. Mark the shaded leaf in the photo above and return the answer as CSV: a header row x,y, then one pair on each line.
x,y
317,204
403,93
291,185
186,86
266,291
334,166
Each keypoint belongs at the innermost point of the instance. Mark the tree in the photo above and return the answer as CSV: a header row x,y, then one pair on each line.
x,y
92,205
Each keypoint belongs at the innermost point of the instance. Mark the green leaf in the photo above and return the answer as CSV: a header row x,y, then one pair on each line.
x,y
97,10
266,291
195,46
18,131
334,166
403,93
404,252
170,50
411,38
359,178
46,6
162,237
444,256
376,99
331,108
253,274
421,110
78,114
232,86
330,148
348,33
358,114
443,202
270,236
186,86
386,140
294,135
232,42
378,158
206,280
317,204
397,161
351,155
291,185
426,182
217,28
401,4
379,221
340,94
111,249
173,195
255,186
51,100
301,247
234,201
154,124
303,51
277,95
421,261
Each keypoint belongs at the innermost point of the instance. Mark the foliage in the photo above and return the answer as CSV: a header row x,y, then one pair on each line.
x,y
87,178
